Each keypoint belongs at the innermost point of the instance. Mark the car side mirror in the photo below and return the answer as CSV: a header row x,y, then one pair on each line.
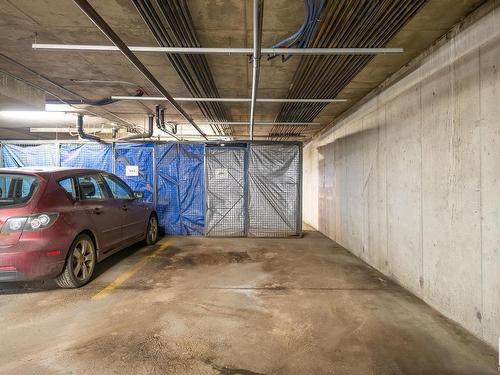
x,y
138,194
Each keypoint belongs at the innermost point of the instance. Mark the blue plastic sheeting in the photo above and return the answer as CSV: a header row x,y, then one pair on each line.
x,y
43,155
180,174
87,155
140,155
181,188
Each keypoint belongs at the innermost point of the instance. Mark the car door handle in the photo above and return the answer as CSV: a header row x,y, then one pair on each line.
x,y
124,208
97,211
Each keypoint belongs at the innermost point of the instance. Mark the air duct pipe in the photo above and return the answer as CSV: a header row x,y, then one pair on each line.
x,y
147,134
81,132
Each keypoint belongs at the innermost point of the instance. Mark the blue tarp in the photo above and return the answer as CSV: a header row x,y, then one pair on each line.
x,y
87,155
43,155
181,189
180,174
140,155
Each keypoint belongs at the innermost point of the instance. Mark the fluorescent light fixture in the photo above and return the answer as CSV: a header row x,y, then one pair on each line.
x,y
59,108
35,116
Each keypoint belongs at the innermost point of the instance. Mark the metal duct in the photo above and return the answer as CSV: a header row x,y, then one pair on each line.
x,y
170,23
349,23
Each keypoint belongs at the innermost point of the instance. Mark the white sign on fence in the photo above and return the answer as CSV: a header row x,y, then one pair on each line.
x,y
132,170
221,174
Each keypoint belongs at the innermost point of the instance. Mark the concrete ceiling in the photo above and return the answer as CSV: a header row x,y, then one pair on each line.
x,y
218,23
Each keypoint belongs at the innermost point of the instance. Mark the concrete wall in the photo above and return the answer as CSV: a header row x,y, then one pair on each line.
x,y
409,180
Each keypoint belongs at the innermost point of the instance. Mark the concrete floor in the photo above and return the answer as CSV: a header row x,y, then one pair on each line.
x,y
232,306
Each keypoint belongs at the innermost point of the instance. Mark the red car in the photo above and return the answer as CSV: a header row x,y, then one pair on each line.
x,y
59,222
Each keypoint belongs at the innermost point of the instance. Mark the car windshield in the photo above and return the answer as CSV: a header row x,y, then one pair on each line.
x,y
16,189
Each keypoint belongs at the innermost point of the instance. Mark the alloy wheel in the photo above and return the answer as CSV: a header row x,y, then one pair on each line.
x,y
83,260
152,229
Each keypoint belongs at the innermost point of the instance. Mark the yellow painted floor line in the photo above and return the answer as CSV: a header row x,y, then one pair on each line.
x,y
131,272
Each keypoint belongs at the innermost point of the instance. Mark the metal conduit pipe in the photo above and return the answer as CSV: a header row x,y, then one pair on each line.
x,y
152,19
392,16
231,100
170,23
363,23
258,11
81,132
147,134
106,29
173,127
270,52
347,64
180,19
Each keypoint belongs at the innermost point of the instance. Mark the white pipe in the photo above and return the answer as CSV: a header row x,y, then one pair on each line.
x,y
258,9
255,123
223,51
231,100
66,129
109,130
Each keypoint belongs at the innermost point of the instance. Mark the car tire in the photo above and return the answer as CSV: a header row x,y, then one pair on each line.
x,y
80,263
152,231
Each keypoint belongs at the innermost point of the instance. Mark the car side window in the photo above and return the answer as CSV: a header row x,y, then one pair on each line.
x,y
68,184
118,188
90,188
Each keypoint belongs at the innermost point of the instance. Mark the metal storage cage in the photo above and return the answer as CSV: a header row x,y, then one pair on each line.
x,y
225,190
274,190
253,189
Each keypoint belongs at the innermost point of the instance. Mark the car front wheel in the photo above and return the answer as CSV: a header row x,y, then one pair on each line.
x,y
80,263
152,232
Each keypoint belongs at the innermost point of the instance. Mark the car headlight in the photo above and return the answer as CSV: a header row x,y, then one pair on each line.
x,y
29,223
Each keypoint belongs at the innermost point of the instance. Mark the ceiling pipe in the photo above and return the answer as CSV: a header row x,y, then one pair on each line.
x,y
258,11
171,25
81,132
231,100
173,126
160,123
147,134
96,103
220,51
106,29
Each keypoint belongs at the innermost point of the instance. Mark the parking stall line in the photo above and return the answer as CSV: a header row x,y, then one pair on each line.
x,y
129,273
